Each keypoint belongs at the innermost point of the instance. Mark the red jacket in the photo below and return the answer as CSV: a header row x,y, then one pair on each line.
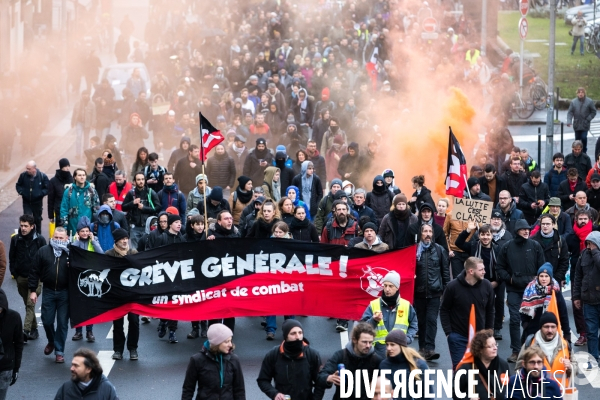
x,y
595,170
112,189
335,234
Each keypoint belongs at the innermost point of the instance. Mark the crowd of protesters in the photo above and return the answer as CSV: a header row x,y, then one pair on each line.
x,y
294,95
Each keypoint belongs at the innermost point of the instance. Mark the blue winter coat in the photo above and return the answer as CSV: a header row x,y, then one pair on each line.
x,y
103,232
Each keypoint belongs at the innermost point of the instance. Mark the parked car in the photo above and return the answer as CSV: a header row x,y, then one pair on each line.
x,y
119,74
587,10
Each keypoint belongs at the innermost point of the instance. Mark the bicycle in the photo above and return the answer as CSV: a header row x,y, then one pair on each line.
x,y
538,92
523,107
592,40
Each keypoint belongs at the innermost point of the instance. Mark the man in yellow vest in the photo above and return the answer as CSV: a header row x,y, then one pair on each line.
x,y
390,312
555,348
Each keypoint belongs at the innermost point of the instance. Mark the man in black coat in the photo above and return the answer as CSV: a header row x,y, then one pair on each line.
x,y
187,169
24,246
455,309
32,186
317,160
12,343
223,228
51,269
533,197
257,161
293,365
565,193
517,264
426,217
358,355
99,178
556,250
140,203
286,173
215,203
56,188
515,178
491,183
483,246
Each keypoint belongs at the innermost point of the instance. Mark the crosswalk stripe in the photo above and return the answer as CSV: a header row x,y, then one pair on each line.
x,y
106,361
125,328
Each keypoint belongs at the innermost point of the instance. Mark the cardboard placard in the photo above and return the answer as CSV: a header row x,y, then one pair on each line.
x,y
478,211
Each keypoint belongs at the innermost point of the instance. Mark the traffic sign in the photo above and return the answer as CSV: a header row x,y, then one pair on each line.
x,y
524,7
523,27
429,24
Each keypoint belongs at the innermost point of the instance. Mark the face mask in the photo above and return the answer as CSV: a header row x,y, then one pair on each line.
x,y
334,129
104,219
290,120
348,191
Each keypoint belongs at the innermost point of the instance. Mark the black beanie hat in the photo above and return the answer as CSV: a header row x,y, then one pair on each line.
x,y
172,218
548,318
216,194
369,225
63,162
119,234
243,180
288,325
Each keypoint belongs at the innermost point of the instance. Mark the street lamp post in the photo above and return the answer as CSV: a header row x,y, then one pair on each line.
x,y
550,100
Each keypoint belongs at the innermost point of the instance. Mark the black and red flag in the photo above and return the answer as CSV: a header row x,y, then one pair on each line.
x,y
210,137
456,178
235,278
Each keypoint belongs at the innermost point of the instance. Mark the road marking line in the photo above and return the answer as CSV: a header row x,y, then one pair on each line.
x,y
106,361
125,329
344,339
38,315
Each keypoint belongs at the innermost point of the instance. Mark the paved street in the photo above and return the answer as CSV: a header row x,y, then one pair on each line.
x,y
160,370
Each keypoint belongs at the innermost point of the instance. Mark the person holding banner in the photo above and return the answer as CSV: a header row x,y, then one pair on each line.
x,y
122,249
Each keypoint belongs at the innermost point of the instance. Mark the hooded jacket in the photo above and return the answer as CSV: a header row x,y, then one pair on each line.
x,y
298,202
76,203
518,262
511,216
178,154
424,196
103,232
11,333
286,172
388,229
456,305
159,175
316,195
380,198
56,190
99,389
217,376
297,377
101,182
267,184
352,362
586,285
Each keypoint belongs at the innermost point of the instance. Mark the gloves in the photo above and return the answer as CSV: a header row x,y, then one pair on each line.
x,y
15,376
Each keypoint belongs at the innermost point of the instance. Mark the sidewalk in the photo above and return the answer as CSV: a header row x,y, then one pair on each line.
x,y
53,143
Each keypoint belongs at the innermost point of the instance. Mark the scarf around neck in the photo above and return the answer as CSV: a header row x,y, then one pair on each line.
x,y
422,247
582,233
547,347
499,235
120,252
58,246
537,296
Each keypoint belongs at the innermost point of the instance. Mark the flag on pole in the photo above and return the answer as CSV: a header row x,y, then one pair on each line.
x,y
553,308
456,179
210,137
468,357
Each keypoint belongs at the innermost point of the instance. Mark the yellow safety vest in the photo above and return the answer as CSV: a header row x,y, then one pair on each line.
x,y
403,309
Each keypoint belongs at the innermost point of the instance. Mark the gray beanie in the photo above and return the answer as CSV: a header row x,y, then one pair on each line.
x,y
218,333
200,177
392,277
